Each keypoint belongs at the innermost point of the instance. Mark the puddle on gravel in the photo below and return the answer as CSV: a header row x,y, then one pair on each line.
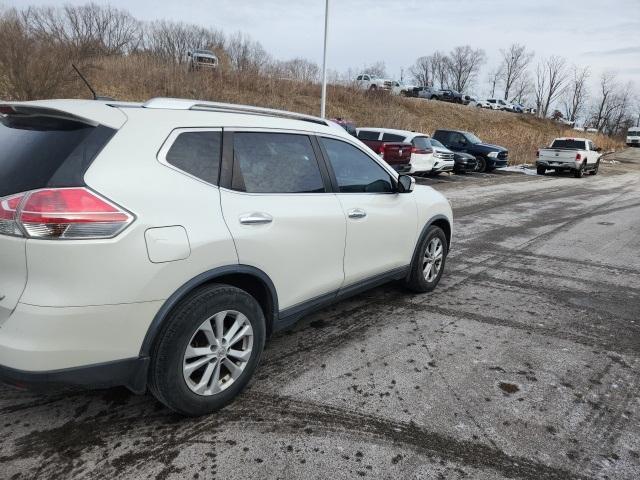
x,y
508,388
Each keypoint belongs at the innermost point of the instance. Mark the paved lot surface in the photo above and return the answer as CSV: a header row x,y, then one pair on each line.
x,y
523,364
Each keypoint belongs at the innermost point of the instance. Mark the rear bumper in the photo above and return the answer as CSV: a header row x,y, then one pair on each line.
x,y
70,345
557,165
131,373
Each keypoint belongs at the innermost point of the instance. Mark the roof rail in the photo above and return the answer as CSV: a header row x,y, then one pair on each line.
x,y
183,104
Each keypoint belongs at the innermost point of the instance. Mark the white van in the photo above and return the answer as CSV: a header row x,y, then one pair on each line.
x,y
633,137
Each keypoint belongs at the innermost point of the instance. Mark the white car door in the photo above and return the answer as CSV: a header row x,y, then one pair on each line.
x,y
381,224
282,215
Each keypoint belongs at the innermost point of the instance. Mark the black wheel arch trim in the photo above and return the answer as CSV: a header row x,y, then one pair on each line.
x,y
201,279
423,234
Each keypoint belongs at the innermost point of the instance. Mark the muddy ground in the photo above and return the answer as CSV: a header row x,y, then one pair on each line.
x,y
522,364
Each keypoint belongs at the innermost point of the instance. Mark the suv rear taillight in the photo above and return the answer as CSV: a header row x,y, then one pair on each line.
x,y
578,157
62,213
8,208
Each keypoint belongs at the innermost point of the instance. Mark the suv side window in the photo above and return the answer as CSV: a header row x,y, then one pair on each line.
x,y
355,171
359,78
457,139
198,154
367,135
275,163
390,137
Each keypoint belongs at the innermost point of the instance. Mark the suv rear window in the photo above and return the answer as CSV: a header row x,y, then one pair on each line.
x,y
569,144
275,163
38,151
422,143
391,137
367,135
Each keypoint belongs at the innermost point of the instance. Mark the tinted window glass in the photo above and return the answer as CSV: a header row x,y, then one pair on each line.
x,y
275,163
436,143
355,171
421,143
365,135
443,136
569,144
390,137
41,151
198,154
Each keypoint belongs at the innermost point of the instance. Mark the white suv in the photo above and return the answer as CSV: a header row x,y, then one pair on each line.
x,y
425,158
159,244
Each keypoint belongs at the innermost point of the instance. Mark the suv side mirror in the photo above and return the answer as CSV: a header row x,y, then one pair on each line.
x,y
406,184
188,54
598,149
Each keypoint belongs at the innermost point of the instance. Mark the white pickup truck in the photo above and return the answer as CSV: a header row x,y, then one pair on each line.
x,y
578,155
371,82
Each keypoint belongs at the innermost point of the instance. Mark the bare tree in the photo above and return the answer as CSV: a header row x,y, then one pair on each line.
x,y
464,64
29,67
576,95
515,61
299,69
246,55
604,104
440,73
92,29
494,77
550,82
522,89
378,69
172,41
421,71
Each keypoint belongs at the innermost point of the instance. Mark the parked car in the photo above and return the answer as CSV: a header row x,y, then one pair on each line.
x,y
348,125
480,104
424,160
202,59
468,99
518,107
499,104
402,89
396,154
577,155
156,247
633,137
463,162
371,82
429,93
447,95
489,156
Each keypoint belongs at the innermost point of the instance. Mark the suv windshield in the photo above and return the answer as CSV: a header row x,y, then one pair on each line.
x,y
471,138
569,144
436,143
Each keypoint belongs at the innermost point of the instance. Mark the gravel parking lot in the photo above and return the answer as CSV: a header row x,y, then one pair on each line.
x,y
522,364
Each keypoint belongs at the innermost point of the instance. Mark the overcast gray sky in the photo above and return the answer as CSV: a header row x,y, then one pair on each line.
x,y
604,34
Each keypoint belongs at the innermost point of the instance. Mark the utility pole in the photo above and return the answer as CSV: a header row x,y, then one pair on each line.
x,y
323,101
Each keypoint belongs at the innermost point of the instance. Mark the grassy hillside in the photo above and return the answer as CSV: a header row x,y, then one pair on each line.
x,y
140,78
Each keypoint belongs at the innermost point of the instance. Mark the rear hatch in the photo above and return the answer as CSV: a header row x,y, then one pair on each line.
x,y
396,153
37,150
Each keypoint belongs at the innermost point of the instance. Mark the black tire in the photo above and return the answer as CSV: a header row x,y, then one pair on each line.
x,y
596,168
166,380
482,164
578,173
416,281
373,87
541,170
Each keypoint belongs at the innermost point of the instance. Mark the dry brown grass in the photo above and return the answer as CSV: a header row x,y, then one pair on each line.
x,y
142,77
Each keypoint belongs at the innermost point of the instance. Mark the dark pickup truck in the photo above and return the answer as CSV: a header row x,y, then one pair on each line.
x,y
489,156
396,154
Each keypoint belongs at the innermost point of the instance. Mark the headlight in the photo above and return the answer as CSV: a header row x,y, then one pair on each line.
x,y
493,155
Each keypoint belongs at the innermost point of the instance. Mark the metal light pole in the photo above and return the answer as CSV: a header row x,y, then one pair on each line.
x,y
323,103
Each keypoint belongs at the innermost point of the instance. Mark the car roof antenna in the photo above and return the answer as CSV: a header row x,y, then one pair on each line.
x,y
86,82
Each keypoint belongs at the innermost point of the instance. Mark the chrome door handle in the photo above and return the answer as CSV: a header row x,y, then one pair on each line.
x,y
256,218
356,213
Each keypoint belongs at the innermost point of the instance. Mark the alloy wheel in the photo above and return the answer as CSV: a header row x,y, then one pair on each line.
x,y
432,261
218,352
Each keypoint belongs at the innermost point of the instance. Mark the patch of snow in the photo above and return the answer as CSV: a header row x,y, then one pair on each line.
x,y
526,169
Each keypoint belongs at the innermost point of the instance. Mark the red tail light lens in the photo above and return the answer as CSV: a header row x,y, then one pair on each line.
x,y
578,156
421,151
64,213
382,148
